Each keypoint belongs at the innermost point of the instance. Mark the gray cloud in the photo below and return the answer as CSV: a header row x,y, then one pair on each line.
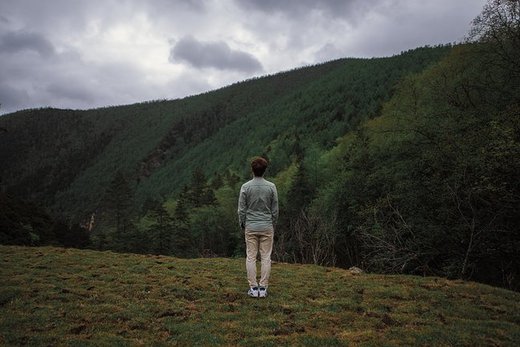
x,y
296,8
16,41
187,84
11,98
216,55
328,52
71,91
159,7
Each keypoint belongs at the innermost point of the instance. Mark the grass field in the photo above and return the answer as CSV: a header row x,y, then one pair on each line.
x,y
55,296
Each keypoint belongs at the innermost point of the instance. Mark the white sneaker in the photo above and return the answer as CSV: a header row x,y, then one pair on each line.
x,y
262,292
253,292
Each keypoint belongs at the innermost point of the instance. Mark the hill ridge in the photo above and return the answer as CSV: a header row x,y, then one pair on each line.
x,y
66,158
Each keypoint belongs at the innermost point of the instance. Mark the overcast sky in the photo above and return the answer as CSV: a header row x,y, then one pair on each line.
x,y
85,54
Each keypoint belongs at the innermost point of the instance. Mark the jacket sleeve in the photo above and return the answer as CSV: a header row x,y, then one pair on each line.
x,y
274,206
242,208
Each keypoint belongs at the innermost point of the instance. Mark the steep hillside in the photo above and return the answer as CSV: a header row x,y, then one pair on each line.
x,y
66,159
53,296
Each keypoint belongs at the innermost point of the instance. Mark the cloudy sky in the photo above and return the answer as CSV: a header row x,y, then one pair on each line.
x,y
84,54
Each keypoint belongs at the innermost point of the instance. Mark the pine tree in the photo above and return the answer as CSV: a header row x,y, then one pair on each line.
x,y
116,211
200,193
181,209
162,231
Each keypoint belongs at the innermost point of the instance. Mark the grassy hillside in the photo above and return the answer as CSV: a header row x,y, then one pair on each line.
x,y
66,158
60,296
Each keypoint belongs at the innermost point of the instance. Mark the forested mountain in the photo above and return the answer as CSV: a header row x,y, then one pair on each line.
x,y
67,158
404,164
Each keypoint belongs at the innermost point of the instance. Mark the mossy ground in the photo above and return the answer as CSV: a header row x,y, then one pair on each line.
x,y
55,296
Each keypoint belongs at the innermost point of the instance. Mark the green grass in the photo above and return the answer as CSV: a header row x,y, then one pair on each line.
x,y
54,296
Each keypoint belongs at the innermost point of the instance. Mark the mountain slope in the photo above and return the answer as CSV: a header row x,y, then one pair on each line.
x,y
53,296
66,159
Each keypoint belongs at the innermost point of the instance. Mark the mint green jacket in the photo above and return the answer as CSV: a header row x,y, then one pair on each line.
x,y
258,205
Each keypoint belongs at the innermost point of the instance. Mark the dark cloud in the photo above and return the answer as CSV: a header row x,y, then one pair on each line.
x,y
16,41
159,7
71,91
216,55
297,8
11,98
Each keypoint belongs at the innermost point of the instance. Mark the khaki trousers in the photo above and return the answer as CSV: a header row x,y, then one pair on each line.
x,y
255,241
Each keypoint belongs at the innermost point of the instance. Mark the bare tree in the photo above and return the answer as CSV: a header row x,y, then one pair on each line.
x,y
391,243
315,239
499,26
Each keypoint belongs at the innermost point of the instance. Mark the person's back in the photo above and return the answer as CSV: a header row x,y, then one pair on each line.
x,y
257,214
259,204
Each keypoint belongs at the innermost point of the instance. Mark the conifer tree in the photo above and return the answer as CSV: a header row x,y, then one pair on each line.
x,y
116,211
162,230
200,193
119,201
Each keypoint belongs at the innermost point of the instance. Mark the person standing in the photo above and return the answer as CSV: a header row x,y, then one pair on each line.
x,y
257,215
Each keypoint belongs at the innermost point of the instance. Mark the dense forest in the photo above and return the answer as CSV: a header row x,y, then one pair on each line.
x,y
404,164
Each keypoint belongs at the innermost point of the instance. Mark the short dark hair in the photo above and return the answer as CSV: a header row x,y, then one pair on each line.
x,y
258,165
